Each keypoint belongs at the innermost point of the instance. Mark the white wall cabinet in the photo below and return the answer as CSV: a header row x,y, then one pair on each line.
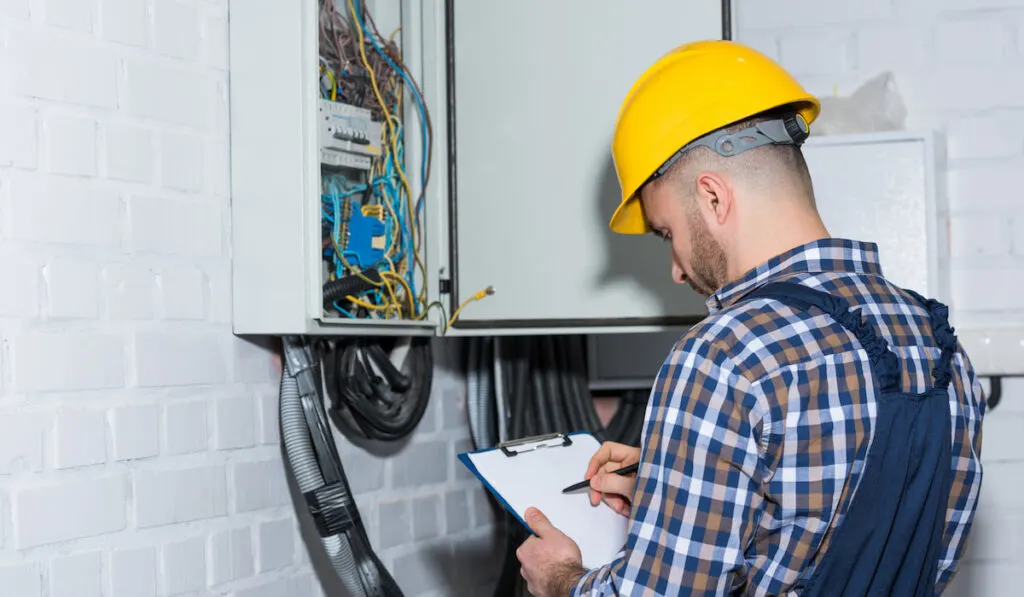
x,y
522,97
538,85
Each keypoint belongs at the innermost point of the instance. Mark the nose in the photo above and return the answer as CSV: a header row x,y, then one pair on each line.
x,y
677,274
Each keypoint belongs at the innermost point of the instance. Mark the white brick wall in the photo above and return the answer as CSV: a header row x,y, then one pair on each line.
x,y
138,438
959,66
429,517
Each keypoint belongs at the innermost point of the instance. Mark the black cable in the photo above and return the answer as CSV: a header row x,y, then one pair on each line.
x,y
556,398
337,290
578,367
575,407
540,408
507,369
995,393
619,421
634,429
489,404
386,406
520,392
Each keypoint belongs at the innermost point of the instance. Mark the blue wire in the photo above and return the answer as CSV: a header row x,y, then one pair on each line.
x,y
343,311
415,94
385,188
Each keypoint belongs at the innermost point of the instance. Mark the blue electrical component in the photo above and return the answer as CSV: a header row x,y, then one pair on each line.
x,y
366,240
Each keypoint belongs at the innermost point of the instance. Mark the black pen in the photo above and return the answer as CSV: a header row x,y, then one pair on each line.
x,y
622,471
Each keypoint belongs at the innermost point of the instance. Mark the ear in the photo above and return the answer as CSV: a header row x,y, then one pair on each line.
x,y
715,195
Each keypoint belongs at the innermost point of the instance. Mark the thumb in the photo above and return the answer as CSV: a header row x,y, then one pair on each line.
x,y
539,523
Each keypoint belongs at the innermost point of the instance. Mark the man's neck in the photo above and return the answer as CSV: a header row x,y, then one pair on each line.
x,y
775,238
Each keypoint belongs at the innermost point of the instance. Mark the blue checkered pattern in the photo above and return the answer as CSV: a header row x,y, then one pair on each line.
x,y
758,428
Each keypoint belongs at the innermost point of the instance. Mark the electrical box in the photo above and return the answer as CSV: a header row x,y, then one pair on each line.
x,y
506,113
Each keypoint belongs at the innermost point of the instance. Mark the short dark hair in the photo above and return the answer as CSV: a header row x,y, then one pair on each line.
x,y
767,163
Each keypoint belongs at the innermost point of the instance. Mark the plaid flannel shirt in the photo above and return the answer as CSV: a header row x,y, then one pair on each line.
x,y
757,430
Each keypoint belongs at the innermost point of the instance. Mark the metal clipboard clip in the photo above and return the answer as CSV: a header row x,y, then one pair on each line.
x,y
536,442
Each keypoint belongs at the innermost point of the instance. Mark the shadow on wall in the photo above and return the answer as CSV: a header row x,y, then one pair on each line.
x,y
634,258
468,567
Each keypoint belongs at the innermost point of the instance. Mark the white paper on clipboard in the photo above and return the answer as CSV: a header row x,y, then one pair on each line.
x,y
533,473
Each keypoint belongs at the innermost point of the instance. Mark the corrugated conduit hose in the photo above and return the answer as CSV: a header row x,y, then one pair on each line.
x,y
299,449
474,349
486,401
480,391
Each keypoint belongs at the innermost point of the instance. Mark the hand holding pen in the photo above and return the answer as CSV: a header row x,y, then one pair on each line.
x,y
611,476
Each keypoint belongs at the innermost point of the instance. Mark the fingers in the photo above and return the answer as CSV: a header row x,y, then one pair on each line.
x,y
615,490
618,504
521,550
595,496
612,452
539,523
611,466
613,484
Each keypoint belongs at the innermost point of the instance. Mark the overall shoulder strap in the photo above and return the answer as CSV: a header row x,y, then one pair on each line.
x,y
945,337
885,365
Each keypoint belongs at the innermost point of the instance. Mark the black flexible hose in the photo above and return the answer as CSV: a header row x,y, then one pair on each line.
x,y
540,408
574,407
519,394
367,404
520,399
635,426
510,580
505,412
578,365
995,394
555,396
619,421
336,290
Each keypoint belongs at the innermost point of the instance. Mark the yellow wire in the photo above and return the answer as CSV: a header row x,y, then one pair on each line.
x,y
365,304
394,145
437,304
359,274
486,292
334,84
408,291
395,32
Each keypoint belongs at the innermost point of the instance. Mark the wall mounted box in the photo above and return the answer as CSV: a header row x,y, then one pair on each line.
x,y
521,185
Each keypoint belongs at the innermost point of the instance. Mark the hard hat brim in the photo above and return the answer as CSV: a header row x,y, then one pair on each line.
x,y
629,218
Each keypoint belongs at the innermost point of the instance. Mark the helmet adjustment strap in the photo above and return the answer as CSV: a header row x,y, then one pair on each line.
x,y
788,130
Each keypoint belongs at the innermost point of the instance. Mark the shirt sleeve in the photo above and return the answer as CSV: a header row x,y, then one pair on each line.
x,y
697,502
968,414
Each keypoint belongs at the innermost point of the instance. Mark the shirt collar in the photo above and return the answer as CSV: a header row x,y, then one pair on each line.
x,y
825,255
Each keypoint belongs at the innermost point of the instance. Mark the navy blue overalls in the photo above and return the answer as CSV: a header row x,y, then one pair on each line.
x,y
890,541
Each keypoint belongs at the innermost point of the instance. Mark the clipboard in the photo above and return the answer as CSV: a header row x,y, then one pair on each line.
x,y
533,471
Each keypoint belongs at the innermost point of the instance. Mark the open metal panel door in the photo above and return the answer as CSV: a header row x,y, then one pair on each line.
x,y
534,90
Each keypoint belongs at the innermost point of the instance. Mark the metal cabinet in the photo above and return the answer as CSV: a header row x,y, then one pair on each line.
x,y
522,98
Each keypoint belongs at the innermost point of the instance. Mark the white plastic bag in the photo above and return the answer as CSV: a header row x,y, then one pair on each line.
x,y
875,106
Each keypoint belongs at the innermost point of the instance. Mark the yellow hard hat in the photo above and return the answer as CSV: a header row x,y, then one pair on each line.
x,y
690,93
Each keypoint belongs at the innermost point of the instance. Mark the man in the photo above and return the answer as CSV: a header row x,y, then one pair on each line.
x,y
819,432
